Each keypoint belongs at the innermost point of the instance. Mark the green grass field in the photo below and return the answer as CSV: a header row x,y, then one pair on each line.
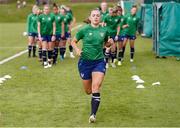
x,y
9,13
11,39
54,97
38,97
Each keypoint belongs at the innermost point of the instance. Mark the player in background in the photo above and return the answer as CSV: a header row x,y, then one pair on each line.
x,y
46,34
111,21
71,22
59,19
104,10
39,42
91,63
62,44
130,28
120,35
68,22
32,30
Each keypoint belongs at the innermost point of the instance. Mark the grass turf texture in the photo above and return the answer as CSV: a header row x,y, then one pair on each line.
x,y
55,97
9,12
11,39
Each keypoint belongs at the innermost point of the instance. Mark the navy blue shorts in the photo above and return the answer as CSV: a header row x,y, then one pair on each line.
x,y
113,37
33,34
67,35
58,37
130,37
121,38
46,38
86,67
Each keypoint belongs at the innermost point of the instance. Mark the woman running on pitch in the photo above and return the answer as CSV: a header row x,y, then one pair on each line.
x,y
59,19
130,28
91,63
46,34
32,30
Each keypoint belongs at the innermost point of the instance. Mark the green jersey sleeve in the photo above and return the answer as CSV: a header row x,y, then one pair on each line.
x,y
125,19
122,22
105,19
39,18
80,34
28,23
53,18
138,21
70,18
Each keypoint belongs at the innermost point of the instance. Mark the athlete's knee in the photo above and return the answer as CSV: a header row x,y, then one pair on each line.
x,y
113,50
132,46
88,92
95,87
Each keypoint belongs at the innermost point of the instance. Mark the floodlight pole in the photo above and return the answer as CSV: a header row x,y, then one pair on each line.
x,y
122,5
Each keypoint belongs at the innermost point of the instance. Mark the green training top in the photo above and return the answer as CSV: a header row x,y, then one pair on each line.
x,y
70,12
67,20
32,23
122,32
59,19
93,41
132,21
112,23
103,15
46,22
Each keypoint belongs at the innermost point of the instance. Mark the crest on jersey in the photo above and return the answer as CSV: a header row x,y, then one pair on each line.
x,y
116,20
122,20
102,34
134,18
49,18
90,34
42,18
58,17
129,17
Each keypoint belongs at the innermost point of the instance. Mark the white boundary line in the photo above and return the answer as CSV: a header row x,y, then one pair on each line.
x,y
13,57
25,51
11,47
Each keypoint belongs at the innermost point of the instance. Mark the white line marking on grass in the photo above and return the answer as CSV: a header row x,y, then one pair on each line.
x,y
11,47
13,57
25,51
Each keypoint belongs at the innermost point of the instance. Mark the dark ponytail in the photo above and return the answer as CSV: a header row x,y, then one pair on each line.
x,y
55,5
87,21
